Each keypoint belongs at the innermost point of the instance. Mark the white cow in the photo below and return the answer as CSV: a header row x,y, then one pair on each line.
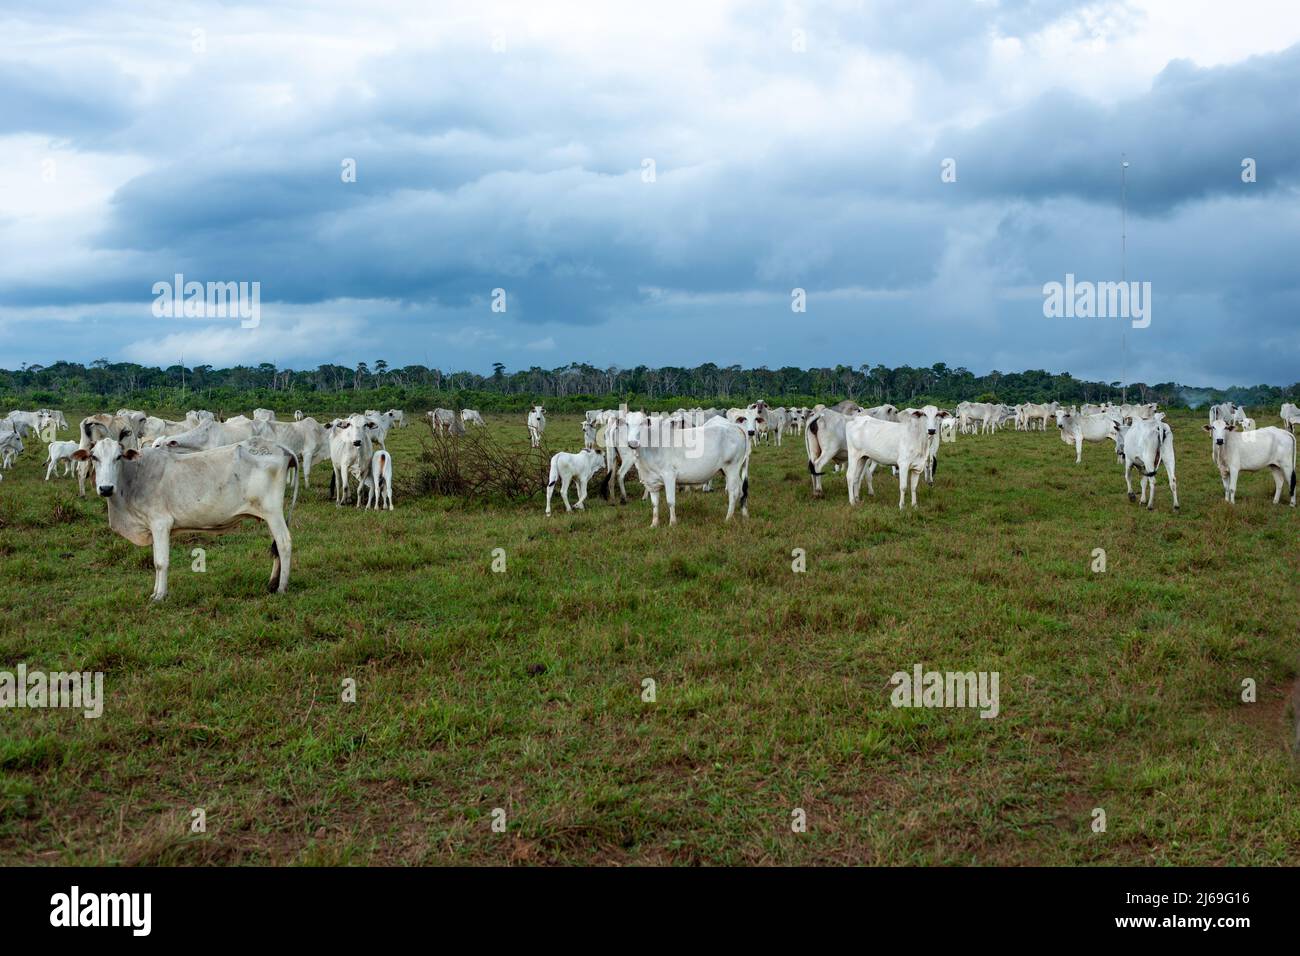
x,y
398,417
94,428
469,416
11,446
825,443
60,451
195,418
153,493
1290,416
1236,451
444,420
668,456
576,466
351,448
154,427
379,482
306,438
1077,429
214,434
1143,445
536,425
263,415
588,435
905,444
297,415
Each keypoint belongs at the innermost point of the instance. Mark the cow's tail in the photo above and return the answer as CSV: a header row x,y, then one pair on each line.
x,y
554,478
295,468
813,444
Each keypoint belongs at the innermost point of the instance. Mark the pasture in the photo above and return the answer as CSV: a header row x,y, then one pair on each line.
x,y
522,690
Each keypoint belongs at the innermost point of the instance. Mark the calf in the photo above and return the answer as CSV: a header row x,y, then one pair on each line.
x,y
153,493
1236,451
379,482
60,451
536,425
567,467
1290,416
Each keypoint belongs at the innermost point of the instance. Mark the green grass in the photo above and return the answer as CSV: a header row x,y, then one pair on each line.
x,y
1118,690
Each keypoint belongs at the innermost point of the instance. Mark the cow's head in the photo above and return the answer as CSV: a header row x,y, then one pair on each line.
x,y
1219,428
932,417
106,455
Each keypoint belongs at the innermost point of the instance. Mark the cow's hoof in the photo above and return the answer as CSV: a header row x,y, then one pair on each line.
x,y
1132,497
1175,507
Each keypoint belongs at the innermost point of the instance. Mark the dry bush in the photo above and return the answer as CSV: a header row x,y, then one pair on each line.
x,y
476,465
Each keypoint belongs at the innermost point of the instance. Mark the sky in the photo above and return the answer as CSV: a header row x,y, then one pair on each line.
x,y
649,183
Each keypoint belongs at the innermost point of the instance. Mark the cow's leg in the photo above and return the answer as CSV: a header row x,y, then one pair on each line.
x,y
624,466
1173,482
732,479
582,491
870,470
851,473
50,467
902,487
654,507
915,475
550,490
1233,473
161,532
1277,484
564,490
83,469
1128,479
670,493
281,553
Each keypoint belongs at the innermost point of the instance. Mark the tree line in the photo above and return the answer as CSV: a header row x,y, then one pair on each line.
x,y
572,387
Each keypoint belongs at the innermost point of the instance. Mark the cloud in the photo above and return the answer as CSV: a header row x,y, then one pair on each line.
x,y
774,169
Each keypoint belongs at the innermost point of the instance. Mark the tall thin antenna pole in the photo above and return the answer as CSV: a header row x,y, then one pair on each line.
x,y
1123,266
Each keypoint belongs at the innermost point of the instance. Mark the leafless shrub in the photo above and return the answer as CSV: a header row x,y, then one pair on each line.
x,y
476,465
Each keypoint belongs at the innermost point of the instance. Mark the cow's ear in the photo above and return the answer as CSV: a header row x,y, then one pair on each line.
x,y
125,434
1232,427
172,443
1208,428
371,425
131,454
80,454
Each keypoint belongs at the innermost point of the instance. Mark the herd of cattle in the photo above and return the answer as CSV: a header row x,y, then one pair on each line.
x,y
206,474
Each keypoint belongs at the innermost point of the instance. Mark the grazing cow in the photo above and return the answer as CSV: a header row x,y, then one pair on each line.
x,y
60,451
668,457
351,448
536,425
214,434
1143,445
576,466
263,415
1290,416
905,444
155,492
379,482
1236,451
469,416
297,415
24,423
1077,429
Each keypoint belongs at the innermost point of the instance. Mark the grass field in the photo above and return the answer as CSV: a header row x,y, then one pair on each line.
x,y
522,690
